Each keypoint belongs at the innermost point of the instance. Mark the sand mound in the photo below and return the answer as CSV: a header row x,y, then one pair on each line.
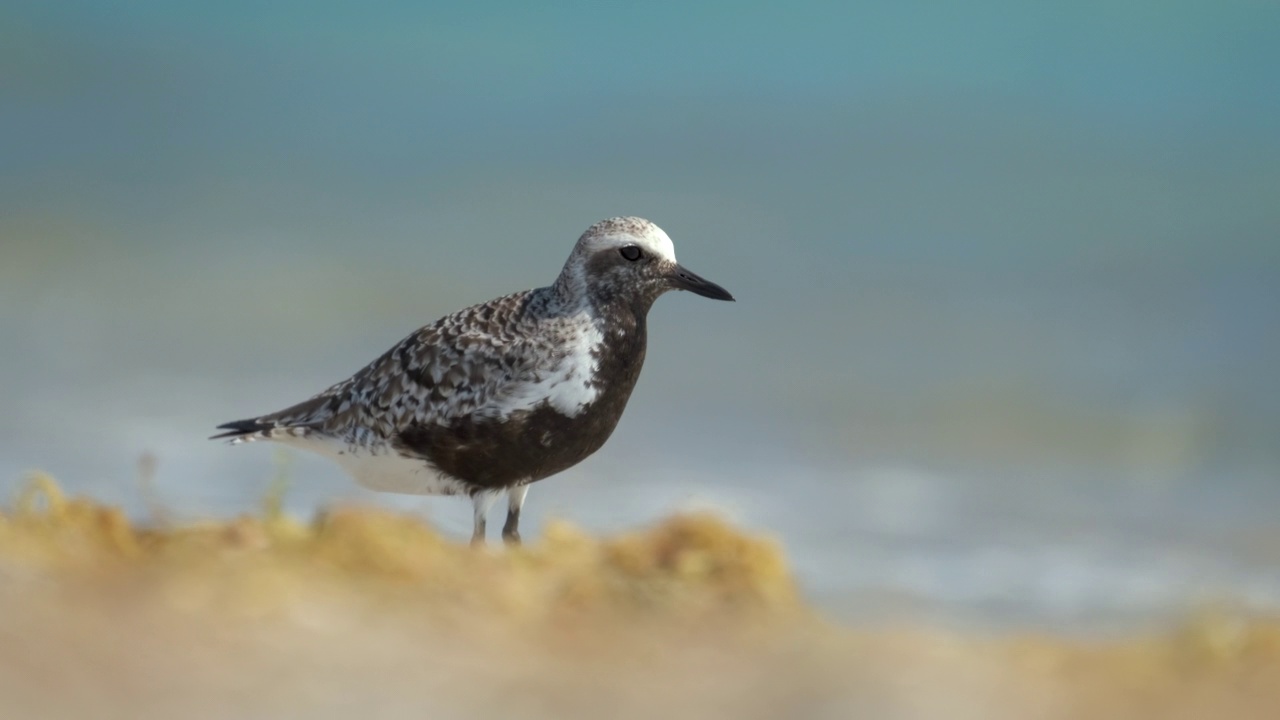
x,y
362,611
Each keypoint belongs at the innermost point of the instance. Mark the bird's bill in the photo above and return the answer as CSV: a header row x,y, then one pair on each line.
x,y
682,278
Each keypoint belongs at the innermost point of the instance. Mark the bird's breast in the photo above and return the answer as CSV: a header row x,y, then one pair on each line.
x,y
569,417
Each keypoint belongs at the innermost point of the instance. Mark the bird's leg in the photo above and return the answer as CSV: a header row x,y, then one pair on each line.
x,y
515,500
482,501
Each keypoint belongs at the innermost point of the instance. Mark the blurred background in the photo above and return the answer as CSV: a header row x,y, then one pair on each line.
x,y
1006,345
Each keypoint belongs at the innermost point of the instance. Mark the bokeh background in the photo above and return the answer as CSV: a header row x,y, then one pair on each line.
x,y
1006,344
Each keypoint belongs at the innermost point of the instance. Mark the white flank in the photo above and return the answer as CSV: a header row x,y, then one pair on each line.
x,y
384,471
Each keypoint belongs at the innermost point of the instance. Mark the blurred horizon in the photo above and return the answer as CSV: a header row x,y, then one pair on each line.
x,y
1008,275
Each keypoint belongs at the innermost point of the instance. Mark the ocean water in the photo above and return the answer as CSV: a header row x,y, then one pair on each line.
x,y
1004,351
890,507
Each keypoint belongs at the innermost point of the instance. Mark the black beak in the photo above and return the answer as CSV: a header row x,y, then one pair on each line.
x,y
682,279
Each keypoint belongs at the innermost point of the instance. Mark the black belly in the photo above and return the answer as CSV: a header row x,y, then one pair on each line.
x,y
525,447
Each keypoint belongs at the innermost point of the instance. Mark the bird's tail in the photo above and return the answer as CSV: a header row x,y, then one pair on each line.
x,y
292,422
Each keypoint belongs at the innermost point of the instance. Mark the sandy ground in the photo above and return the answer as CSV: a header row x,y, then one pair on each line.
x,y
363,613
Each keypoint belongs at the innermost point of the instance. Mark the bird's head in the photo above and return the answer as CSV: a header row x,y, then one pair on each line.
x,y
630,259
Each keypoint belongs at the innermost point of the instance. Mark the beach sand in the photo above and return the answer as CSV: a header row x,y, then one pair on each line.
x,y
372,614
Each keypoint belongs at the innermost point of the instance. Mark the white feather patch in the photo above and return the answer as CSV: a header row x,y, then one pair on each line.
x,y
617,232
566,387
385,471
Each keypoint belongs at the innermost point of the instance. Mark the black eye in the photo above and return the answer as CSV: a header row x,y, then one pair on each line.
x,y
631,252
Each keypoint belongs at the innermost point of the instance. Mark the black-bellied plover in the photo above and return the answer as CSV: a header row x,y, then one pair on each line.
x,y
502,394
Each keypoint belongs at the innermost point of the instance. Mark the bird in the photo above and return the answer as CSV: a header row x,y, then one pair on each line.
x,y
497,396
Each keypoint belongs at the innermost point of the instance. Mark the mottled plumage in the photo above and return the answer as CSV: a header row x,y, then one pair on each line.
x,y
501,394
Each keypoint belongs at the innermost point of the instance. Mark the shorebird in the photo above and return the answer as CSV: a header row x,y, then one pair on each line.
x,y
502,394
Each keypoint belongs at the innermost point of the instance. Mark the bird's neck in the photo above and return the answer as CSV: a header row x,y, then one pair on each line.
x,y
571,293
570,287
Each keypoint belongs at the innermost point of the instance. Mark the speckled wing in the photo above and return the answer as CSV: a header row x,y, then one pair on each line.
x,y
452,368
